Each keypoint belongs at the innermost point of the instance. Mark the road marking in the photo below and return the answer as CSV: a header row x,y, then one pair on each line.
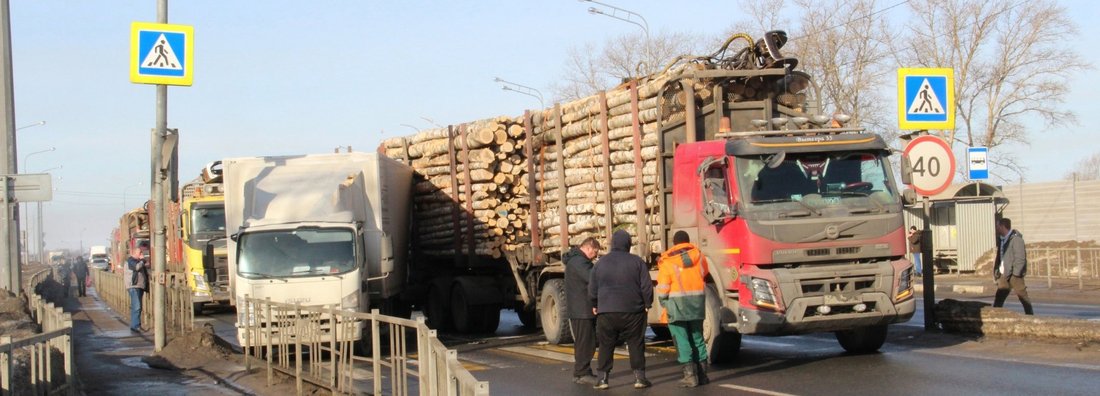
x,y
755,390
1012,360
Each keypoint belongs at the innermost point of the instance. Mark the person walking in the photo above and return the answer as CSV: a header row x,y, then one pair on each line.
x,y
136,278
915,249
1010,267
80,269
578,269
65,271
621,291
681,289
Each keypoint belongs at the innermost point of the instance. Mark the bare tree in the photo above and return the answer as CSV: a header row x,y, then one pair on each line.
x,y
1011,60
1086,169
848,59
589,69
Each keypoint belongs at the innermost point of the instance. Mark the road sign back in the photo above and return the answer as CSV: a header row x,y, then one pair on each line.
x,y
161,53
926,98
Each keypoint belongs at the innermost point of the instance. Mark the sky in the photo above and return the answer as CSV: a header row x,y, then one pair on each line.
x,y
280,77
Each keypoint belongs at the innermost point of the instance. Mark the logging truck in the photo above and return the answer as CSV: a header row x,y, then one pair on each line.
x,y
797,212
202,231
317,230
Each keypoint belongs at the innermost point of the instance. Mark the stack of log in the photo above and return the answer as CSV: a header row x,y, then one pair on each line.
x,y
487,189
602,187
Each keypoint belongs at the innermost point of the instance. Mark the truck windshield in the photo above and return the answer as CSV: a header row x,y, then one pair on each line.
x,y
296,253
856,179
208,220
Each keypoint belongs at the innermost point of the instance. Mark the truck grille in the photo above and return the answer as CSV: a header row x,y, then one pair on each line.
x,y
852,284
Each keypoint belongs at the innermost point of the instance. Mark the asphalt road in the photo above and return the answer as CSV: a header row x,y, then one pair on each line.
x,y
518,361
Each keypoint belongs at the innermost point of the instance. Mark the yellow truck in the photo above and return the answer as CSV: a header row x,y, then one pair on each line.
x,y
202,233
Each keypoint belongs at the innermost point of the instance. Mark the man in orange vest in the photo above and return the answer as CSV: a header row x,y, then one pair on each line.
x,y
681,289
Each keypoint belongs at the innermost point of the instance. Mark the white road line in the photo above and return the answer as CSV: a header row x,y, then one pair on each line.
x,y
1011,360
755,390
770,343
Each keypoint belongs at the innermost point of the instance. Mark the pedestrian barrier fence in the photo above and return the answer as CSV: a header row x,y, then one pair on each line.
x,y
1064,263
179,313
294,340
44,351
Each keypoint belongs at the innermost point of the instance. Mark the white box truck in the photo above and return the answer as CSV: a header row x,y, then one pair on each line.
x,y
317,230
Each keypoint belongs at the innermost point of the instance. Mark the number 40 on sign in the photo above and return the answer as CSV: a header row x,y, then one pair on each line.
x,y
932,164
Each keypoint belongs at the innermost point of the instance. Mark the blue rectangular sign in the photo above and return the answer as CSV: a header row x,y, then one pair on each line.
x,y
977,163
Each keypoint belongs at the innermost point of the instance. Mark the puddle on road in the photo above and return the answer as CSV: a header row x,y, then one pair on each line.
x,y
135,361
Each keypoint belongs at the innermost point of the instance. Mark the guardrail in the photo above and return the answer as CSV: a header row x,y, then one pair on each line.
x,y
281,336
1064,263
179,312
56,338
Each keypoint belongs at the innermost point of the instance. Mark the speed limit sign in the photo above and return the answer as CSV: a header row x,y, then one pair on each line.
x,y
932,164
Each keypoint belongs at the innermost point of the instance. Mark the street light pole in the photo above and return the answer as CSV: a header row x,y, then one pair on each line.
x,y
615,12
521,89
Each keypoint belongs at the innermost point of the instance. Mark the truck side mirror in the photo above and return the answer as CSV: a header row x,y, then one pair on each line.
x,y
906,171
386,252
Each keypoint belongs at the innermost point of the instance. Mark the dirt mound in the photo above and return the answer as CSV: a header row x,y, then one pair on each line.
x,y
51,291
14,319
976,317
984,264
196,348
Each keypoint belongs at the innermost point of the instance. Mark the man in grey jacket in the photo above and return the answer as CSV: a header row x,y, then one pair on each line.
x,y
1010,266
136,279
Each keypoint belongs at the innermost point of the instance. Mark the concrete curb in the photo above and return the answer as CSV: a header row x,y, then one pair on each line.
x,y
959,289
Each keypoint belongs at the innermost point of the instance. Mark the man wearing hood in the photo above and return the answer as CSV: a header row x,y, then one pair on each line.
x,y
578,269
621,291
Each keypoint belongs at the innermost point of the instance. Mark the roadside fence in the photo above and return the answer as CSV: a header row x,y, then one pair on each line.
x,y
1065,263
292,339
44,366
179,312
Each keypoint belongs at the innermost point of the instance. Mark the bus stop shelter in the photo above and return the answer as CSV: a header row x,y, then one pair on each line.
x,y
962,218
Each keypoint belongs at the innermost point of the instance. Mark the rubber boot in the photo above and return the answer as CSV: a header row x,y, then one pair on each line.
x,y
701,372
601,383
690,379
640,381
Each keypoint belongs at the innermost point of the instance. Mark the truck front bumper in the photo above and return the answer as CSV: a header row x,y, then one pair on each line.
x,y
802,315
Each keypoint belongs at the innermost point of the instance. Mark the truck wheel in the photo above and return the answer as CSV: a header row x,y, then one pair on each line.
x,y
466,318
530,319
438,309
552,309
490,318
861,340
197,307
722,346
661,333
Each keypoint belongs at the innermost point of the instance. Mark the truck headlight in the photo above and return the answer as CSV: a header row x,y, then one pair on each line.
x,y
246,316
905,284
350,301
763,293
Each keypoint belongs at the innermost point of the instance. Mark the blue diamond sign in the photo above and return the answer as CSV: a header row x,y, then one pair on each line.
x,y
161,53
926,98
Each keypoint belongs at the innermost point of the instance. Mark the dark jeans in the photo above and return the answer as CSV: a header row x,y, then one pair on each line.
x,y
1007,283
82,285
584,345
615,327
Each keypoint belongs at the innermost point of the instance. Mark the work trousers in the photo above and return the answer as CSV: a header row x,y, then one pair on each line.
x,y
613,328
135,308
1016,284
584,345
688,337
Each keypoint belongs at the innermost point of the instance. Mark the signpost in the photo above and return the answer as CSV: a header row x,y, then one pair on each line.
x,y
976,163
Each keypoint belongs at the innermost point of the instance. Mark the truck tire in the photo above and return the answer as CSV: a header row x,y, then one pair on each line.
x,y
466,318
552,309
722,346
862,340
197,308
438,309
490,318
661,333
530,319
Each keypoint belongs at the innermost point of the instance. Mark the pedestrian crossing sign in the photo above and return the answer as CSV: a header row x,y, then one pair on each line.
x,y
161,53
926,98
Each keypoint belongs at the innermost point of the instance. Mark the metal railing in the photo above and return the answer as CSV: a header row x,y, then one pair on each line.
x,y
41,349
179,312
1064,263
293,339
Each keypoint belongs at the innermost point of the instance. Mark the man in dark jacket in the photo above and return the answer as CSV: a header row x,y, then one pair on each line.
x,y
80,269
578,269
622,292
1010,266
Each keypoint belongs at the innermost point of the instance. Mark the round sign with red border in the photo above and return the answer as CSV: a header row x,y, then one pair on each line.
x,y
932,163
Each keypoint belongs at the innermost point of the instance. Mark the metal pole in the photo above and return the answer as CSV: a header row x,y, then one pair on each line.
x,y
10,278
157,193
926,268
41,235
